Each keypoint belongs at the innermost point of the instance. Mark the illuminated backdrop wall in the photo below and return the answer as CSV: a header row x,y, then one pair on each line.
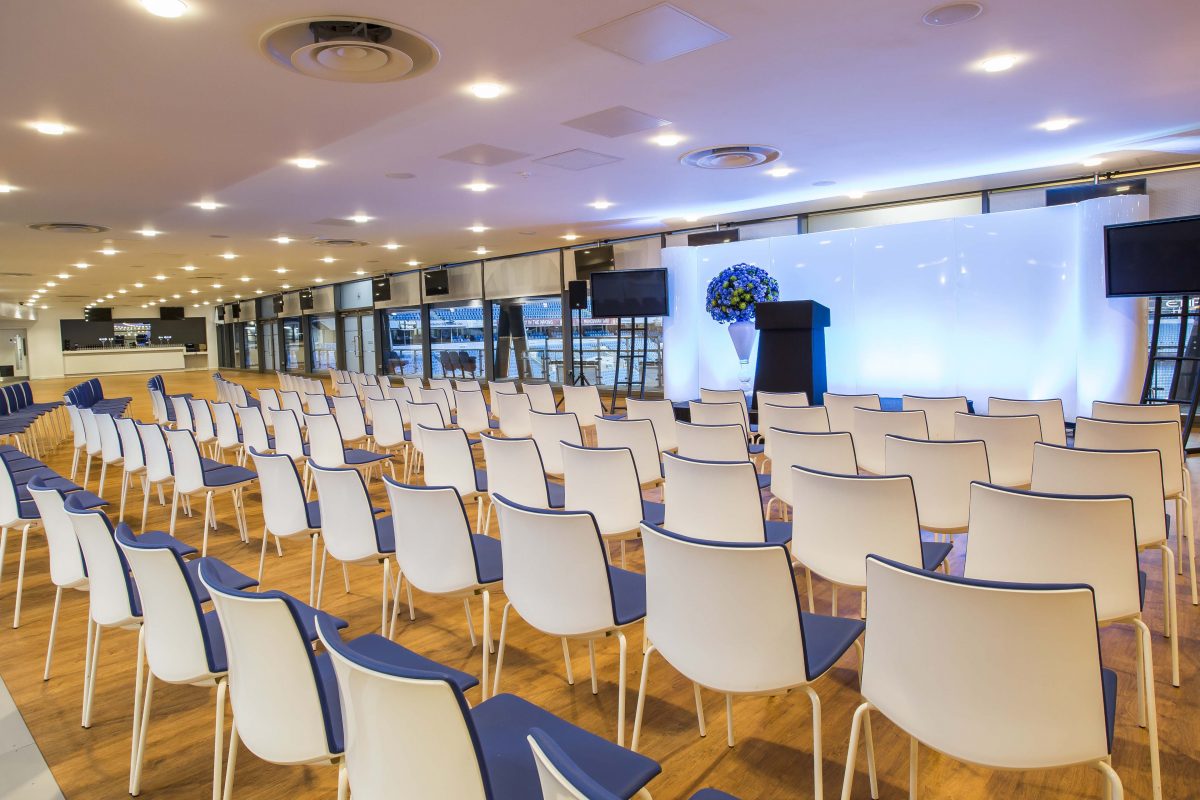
x,y
1007,305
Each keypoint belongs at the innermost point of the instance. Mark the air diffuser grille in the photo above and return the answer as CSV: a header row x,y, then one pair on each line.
x,y
350,49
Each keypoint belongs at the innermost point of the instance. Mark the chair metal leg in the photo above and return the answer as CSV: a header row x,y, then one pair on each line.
x,y
729,719
174,510
856,724
913,781
1151,710
699,710
592,664
3,550
312,570
343,791
641,701
103,473
500,648
21,576
383,599
567,662
1171,609
208,507
872,777
87,666
53,629
624,646
139,754
124,492
222,690
137,700
1115,790
818,761
231,761
487,636
146,501
90,691
321,579
262,557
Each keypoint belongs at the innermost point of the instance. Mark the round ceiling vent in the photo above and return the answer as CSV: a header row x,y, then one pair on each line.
x,y
952,14
737,156
339,243
68,227
352,49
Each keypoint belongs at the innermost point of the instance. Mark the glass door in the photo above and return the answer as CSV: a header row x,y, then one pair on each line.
x,y
527,339
293,345
402,342
250,335
456,340
358,342
368,343
323,336
270,342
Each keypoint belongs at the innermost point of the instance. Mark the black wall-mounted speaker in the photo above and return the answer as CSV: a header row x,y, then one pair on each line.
x,y
577,295
381,289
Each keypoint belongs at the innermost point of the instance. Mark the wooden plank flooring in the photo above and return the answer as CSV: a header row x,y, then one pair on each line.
x,y
772,758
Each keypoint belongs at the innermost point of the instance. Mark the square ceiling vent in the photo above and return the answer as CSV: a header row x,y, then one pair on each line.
x,y
577,160
656,34
616,121
485,155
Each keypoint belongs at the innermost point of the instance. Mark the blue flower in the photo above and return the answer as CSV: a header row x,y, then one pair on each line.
x,y
733,293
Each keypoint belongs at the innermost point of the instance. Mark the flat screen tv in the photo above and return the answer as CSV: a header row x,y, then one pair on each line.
x,y
306,300
170,312
630,293
97,314
437,282
593,259
1148,259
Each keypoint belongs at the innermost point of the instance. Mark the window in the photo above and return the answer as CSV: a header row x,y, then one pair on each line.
x,y
250,331
293,345
456,340
403,343
596,351
323,335
527,339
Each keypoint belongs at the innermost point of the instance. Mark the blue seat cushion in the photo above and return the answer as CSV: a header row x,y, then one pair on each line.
x,y
312,510
754,449
48,482
1108,681
385,653
385,535
826,639
934,553
227,575
331,704
218,659
628,595
1141,589
712,794
557,494
481,483
164,539
778,532
228,476
654,513
489,567
764,481
354,457
502,723
308,617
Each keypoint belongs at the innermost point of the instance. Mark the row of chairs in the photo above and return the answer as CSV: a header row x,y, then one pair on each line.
x,y
30,426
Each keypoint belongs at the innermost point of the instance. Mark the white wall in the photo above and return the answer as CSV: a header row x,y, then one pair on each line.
x,y
1008,305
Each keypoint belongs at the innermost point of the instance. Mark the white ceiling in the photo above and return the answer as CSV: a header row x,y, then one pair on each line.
x,y
167,111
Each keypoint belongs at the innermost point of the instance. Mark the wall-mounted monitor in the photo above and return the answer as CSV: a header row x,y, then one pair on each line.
x,y
1159,257
437,282
721,236
170,312
593,259
277,303
630,293
97,314
381,289
306,300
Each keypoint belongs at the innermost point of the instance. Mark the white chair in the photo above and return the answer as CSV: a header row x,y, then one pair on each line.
x,y
133,463
287,514
755,640
720,413
352,423
661,414
717,501
784,399
468,385
821,451
316,403
871,426
110,447
439,398
284,706
159,471
548,430
841,408
1049,413
1136,473
1019,685
388,431
447,388
66,559
350,531
1069,540
513,411
717,396
473,416
1136,412
800,419
289,436
79,440
541,397
94,446
182,406
556,576
1009,441
254,432
638,436
195,477
604,481
268,400
939,412
327,449
440,556
1093,434
515,470
585,403
290,401
715,443
942,473
413,382
450,462
457,751
182,645
421,416
849,517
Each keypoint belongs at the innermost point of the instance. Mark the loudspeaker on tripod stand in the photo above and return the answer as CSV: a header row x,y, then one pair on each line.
x,y
577,295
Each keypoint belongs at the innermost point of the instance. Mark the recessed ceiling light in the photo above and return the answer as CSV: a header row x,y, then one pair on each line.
x,y
952,14
235,297
283,239
165,8
319,280
188,268
195,291
667,139
481,250
62,276
145,305
281,270
1057,124
229,256
1092,162
478,187
50,128
856,195
600,205
138,285
780,172
256,291
486,91
51,284
194,305
360,271
570,237
691,219
208,205
413,263
478,228
82,265
307,163
245,279
360,218
391,246
110,295
204,303
108,251
1000,63
43,291
149,233
5,188
175,296
160,277
216,286
285,285
326,259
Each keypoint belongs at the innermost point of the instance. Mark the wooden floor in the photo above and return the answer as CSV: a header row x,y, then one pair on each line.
x,y
772,758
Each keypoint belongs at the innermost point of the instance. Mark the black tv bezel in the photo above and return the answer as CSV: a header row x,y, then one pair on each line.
x,y
584,271
1140,224
616,272
182,313
427,274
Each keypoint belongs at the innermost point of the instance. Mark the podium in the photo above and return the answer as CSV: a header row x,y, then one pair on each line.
x,y
791,348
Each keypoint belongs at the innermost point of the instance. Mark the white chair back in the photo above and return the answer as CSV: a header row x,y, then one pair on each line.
x,y
712,442
387,423
541,397
939,412
110,588
726,396
1095,434
447,388
942,473
1049,412
584,402
514,469
351,421
661,414
784,399
290,401
226,424
185,458
131,444
254,428
719,414
810,419
472,411
183,413
438,397
823,452
638,435
158,457
288,436
283,503
324,441
841,408
603,481
66,559
435,554
110,438
448,460
420,417
548,430
871,426
1136,412
1009,441
347,522
513,411
710,500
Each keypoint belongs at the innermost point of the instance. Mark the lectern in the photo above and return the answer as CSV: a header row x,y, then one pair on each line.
x,y
791,347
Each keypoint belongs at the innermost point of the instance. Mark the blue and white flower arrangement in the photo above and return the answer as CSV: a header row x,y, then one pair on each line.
x,y
733,293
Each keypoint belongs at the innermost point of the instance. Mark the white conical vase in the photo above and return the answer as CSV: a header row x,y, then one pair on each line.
x,y
742,334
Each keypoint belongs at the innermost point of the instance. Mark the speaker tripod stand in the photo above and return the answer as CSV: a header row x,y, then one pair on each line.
x,y
578,378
